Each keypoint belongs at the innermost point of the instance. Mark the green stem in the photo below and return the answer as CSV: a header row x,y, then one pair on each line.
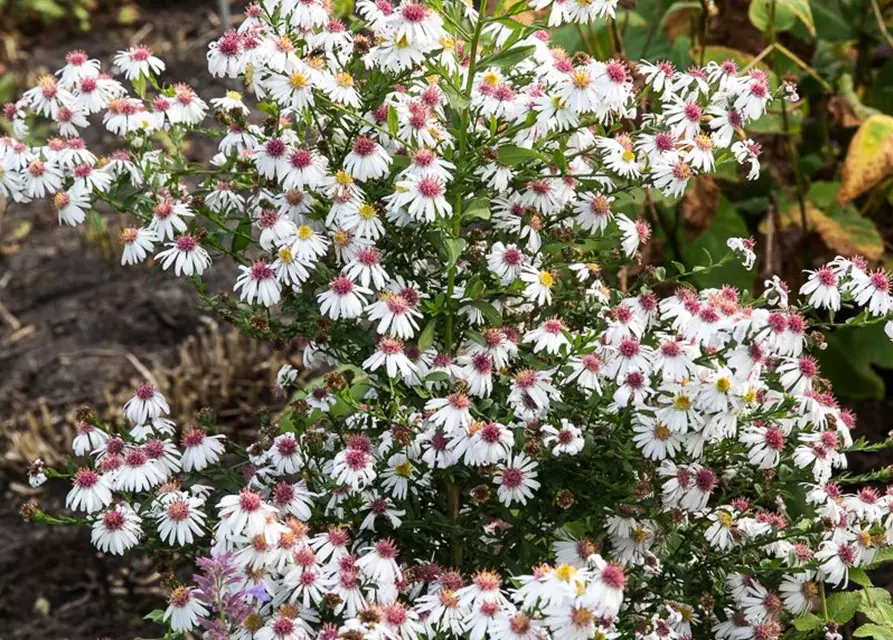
x,y
455,227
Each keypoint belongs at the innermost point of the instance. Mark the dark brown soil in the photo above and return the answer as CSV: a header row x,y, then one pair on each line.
x,y
75,322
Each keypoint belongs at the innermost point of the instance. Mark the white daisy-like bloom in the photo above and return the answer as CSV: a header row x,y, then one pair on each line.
x,y
200,450
656,440
721,534
340,87
308,244
225,57
367,160
285,454
184,609
873,293
506,261
635,234
516,479
117,530
365,267
147,403
138,244
619,155
390,354
258,283
395,315
291,271
748,152
378,562
567,439
40,179
539,285
343,299
800,592
671,178
422,197
245,512
452,413
168,218
549,337
71,206
89,438
91,492
138,472
305,169
276,229
186,255
138,61
822,289
587,371
179,517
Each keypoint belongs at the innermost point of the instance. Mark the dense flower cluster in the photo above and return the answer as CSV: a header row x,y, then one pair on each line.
x,y
510,441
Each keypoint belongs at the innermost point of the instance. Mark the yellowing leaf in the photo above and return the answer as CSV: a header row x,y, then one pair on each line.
x,y
869,158
680,17
842,230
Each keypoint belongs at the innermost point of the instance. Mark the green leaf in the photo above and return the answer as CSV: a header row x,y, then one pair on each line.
x,y
843,606
455,99
760,12
507,57
726,223
859,576
155,616
875,631
881,613
393,121
437,376
478,208
808,622
846,361
426,338
242,236
512,155
454,248
494,318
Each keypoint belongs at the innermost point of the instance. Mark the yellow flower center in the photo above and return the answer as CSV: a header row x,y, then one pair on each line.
x,y
285,255
546,279
233,95
404,469
581,79
366,211
305,232
723,385
628,156
682,403
344,80
566,572
298,80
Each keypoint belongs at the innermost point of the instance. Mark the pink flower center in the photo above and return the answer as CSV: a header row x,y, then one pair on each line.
x,y
185,243
178,511
113,520
261,271
692,112
85,479
430,187
413,12
512,478
249,501
275,148
341,286
613,576
140,54
364,146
